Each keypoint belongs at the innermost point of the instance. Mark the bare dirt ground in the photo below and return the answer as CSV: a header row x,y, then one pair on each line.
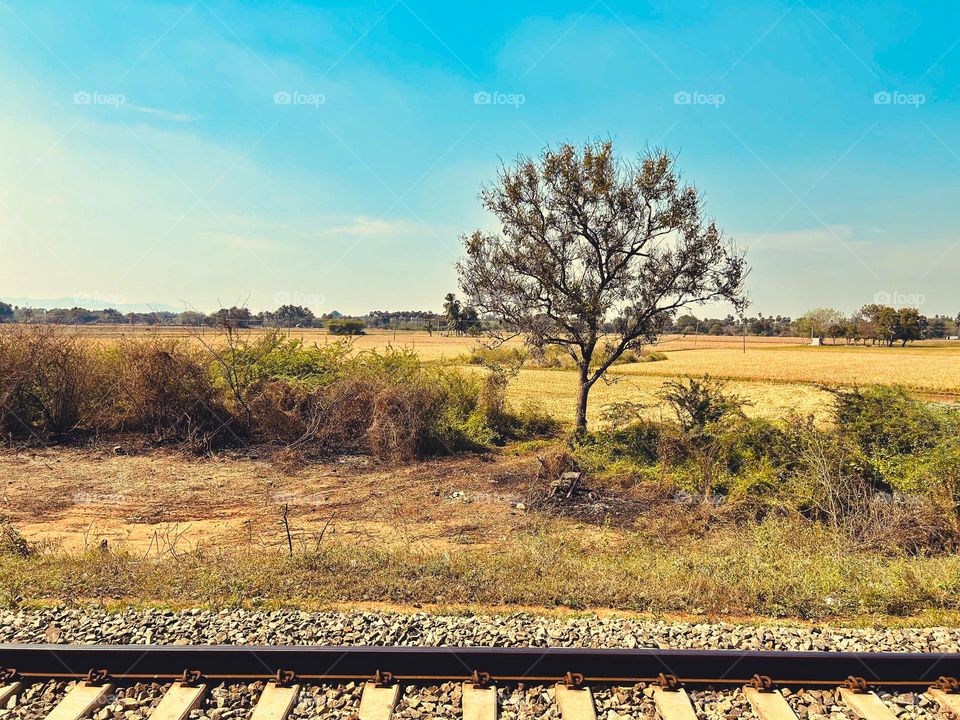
x,y
163,500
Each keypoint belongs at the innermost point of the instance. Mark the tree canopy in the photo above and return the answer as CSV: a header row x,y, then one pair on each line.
x,y
596,254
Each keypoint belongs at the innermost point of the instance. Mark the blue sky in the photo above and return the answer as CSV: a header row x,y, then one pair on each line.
x,y
330,154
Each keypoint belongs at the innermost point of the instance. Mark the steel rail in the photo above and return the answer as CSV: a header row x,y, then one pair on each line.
x,y
434,664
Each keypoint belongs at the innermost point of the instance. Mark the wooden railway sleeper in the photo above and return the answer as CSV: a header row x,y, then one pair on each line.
x,y
946,693
766,700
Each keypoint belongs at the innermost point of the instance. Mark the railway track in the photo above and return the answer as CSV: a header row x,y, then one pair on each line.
x,y
96,673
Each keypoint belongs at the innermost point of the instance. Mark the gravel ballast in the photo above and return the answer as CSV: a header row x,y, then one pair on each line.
x,y
291,627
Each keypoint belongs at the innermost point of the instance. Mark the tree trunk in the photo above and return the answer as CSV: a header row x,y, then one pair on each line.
x,y
581,427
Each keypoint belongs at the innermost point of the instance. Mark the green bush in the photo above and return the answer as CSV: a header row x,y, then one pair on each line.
x,y
345,326
935,471
887,421
886,473
502,355
698,402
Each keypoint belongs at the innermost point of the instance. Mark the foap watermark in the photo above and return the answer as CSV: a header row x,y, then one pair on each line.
x,y
899,299
94,297
88,498
896,97
685,97
297,97
484,97
95,97
309,300
294,498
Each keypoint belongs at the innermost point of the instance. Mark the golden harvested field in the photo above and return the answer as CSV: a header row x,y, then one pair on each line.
x,y
776,380
934,369
429,347
556,392
777,375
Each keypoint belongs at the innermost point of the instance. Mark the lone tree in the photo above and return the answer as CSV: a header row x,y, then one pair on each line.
x,y
596,254
451,311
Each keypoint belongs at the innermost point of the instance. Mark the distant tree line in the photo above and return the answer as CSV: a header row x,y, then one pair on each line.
x,y
456,318
873,324
284,316
772,326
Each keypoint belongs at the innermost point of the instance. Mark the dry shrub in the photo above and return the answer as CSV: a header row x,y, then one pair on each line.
x,y
48,382
392,421
346,406
308,400
554,463
400,421
906,524
280,412
331,419
164,389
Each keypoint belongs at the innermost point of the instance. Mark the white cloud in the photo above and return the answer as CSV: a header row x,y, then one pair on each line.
x,y
163,114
